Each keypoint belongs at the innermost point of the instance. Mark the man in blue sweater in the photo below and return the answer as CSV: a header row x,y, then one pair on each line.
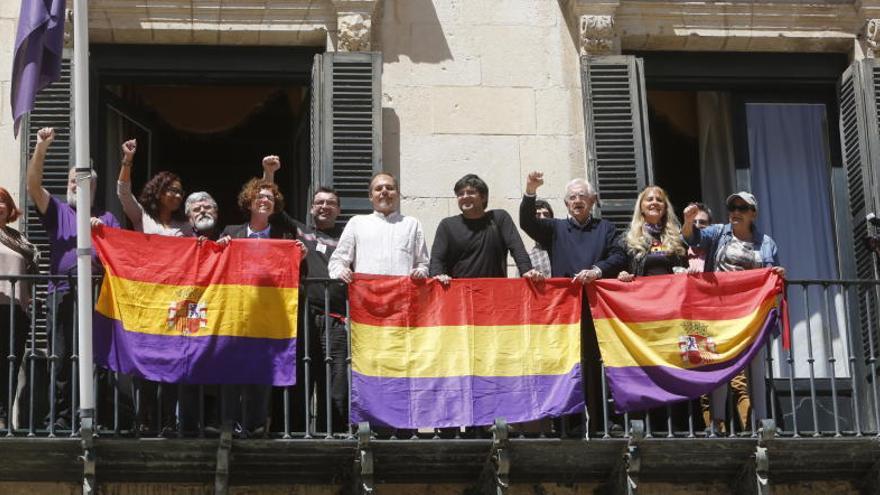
x,y
581,247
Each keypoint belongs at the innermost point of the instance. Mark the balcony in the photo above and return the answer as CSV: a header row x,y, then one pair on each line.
x,y
822,397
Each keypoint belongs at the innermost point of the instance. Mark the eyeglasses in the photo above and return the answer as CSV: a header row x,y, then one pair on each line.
x,y
740,208
326,202
700,222
576,196
267,197
174,190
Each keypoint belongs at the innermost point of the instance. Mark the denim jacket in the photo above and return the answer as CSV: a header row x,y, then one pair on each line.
x,y
714,237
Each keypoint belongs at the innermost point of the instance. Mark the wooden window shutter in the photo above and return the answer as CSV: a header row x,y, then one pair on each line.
x,y
618,141
52,108
859,115
347,126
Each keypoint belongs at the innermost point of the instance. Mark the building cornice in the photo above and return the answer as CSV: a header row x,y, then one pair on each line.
x,y
788,25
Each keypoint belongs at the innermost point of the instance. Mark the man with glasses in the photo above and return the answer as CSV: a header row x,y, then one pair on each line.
x,y
583,248
328,338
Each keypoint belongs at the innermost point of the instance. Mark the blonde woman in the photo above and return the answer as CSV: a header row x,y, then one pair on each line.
x,y
653,243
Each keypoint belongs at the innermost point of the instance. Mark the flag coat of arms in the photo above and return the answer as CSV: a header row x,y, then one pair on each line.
x,y
425,355
669,338
177,311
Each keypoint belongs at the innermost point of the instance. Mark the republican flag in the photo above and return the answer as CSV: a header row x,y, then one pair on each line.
x,y
39,42
425,355
670,338
176,311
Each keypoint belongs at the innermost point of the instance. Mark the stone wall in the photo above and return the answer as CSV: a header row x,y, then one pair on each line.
x,y
478,86
10,148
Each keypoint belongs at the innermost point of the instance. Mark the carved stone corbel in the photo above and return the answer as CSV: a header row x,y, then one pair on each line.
x,y
354,24
597,36
872,37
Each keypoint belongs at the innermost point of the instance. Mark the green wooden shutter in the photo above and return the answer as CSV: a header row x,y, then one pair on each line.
x,y
859,116
618,142
347,125
52,108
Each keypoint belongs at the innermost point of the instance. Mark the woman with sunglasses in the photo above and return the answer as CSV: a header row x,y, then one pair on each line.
x,y
653,242
159,209
736,246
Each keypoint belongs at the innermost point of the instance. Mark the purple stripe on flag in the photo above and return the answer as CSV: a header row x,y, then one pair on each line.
x,y
463,400
637,388
194,360
39,42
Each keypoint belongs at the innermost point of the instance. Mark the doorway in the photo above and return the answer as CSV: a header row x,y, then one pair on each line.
x,y
208,114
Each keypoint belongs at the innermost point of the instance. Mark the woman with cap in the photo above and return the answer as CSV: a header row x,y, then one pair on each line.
x,y
735,246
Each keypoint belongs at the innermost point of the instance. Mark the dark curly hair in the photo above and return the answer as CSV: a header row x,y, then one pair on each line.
x,y
153,191
250,190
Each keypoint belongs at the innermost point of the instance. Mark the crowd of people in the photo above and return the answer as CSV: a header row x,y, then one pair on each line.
x,y
476,243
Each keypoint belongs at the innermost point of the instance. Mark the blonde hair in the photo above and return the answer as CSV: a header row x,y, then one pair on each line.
x,y
638,242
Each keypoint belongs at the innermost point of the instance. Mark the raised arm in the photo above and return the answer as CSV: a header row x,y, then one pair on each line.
x,y
133,210
539,230
271,164
38,194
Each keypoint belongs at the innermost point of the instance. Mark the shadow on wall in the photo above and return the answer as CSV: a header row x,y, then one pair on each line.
x,y
390,141
411,28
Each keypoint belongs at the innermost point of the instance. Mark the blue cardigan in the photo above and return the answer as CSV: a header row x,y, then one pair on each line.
x,y
574,247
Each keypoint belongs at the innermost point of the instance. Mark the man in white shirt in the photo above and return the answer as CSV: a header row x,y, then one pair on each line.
x,y
384,242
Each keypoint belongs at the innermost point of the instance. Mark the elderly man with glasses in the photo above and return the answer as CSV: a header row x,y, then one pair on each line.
x,y
583,248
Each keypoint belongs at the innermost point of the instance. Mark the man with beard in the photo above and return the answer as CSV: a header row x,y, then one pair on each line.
x,y
202,212
583,248
59,220
327,335
382,243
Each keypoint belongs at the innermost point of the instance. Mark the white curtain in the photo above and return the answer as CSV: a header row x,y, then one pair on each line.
x,y
790,175
717,177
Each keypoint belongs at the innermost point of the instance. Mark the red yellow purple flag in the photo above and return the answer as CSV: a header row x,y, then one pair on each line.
x,y
177,311
669,338
425,355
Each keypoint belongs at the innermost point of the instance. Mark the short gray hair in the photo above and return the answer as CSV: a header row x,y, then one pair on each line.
x,y
581,182
195,198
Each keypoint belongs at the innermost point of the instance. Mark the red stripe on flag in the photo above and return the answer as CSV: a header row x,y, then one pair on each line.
x,y
402,302
183,261
705,296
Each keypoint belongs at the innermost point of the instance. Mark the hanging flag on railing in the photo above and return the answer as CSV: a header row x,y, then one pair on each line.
x,y
670,338
425,355
177,311
39,43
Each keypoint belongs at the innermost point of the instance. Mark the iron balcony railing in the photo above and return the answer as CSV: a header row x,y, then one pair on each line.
x,y
824,385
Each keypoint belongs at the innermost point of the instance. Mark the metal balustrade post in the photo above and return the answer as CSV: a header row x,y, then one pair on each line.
x,y
829,346
811,360
31,360
348,363
872,360
328,363
791,372
307,397
852,362
11,359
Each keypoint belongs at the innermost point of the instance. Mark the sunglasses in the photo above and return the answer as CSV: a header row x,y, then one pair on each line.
x,y
740,208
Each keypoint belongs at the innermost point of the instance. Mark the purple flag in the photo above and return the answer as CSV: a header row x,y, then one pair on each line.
x,y
38,46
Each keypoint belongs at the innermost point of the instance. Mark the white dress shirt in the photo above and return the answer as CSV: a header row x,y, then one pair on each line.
x,y
381,245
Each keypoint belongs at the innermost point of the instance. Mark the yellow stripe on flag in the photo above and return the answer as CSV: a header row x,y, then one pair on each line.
x,y
447,351
658,343
248,311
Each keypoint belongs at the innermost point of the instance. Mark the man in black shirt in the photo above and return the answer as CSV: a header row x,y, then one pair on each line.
x,y
475,244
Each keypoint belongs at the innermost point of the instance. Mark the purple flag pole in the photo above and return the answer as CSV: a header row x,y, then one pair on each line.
x,y
38,46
